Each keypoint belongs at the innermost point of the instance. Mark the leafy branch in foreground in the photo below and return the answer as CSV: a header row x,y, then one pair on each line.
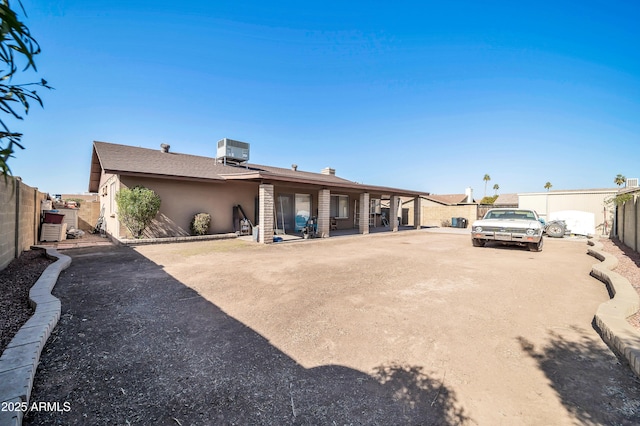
x,y
17,46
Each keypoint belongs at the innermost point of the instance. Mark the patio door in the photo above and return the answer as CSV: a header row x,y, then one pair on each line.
x,y
285,213
292,212
303,210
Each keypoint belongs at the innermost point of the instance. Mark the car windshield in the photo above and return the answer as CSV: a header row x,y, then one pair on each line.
x,y
511,214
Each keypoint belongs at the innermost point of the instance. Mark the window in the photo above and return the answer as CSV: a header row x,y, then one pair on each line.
x,y
339,206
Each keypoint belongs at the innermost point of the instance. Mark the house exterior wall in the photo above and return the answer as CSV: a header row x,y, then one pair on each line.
x,y
109,186
587,201
343,223
182,200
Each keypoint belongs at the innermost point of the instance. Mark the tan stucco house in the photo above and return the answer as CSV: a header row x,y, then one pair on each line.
x,y
271,197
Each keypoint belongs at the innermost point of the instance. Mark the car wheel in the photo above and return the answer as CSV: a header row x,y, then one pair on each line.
x,y
536,246
478,242
555,230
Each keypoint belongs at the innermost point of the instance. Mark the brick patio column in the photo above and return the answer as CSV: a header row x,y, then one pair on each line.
x,y
393,213
364,206
417,212
324,213
266,203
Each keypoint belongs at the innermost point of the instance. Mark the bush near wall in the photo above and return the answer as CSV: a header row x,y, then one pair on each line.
x,y
200,224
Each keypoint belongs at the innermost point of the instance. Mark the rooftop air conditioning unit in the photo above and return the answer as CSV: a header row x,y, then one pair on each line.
x,y
232,151
632,182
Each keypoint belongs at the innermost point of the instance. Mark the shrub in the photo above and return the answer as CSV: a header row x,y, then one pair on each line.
x,y
200,224
137,207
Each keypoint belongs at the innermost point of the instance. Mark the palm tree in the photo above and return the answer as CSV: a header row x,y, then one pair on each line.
x,y
486,179
495,188
547,186
620,179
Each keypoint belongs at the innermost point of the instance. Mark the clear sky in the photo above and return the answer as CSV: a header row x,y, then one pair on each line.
x,y
412,94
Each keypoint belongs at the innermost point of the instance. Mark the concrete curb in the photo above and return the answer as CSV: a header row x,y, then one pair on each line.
x,y
611,316
166,240
20,359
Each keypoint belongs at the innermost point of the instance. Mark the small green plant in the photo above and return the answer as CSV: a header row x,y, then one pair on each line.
x,y
619,199
200,223
137,207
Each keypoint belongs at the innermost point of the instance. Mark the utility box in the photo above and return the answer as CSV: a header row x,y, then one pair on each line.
x,y
53,232
232,151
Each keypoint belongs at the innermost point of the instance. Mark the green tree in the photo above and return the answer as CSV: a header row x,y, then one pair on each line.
x,y
486,180
17,48
620,179
547,186
495,188
137,207
489,199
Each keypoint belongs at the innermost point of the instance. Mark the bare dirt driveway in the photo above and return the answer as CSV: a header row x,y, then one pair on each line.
x,y
406,328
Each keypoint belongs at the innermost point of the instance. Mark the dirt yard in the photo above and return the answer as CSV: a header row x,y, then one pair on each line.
x,y
410,328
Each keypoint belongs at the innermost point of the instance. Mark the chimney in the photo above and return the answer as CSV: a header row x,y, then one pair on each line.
x,y
164,147
294,167
328,171
469,193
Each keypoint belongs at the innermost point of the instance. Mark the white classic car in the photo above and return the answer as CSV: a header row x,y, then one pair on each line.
x,y
509,226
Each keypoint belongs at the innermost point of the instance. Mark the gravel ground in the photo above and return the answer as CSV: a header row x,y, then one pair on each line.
x,y
628,267
15,282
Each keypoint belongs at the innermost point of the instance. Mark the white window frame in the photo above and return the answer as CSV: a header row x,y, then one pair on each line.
x,y
112,198
335,206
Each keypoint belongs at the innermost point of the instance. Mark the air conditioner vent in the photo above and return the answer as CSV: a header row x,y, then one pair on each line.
x,y
232,151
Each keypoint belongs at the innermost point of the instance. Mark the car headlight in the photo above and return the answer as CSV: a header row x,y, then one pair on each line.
x,y
478,229
531,231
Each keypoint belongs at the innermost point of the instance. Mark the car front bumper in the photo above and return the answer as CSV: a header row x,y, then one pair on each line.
x,y
516,237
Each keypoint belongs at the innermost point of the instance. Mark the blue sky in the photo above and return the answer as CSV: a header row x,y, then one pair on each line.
x,y
411,94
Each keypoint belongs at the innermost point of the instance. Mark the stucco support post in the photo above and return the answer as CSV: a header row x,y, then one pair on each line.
x,y
393,213
324,213
364,205
417,212
266,203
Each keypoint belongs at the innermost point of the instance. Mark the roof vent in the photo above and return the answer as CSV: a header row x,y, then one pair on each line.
x,y
230,151
328,171
164,147
632,183
294,167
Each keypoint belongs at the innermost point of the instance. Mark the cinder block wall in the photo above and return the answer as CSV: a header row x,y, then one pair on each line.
x,y
628,229
19,216
435,215
88,215
7,222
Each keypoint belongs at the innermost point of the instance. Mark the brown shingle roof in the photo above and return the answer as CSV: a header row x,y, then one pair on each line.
x,y
506,200
116,158
130,160
448,199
